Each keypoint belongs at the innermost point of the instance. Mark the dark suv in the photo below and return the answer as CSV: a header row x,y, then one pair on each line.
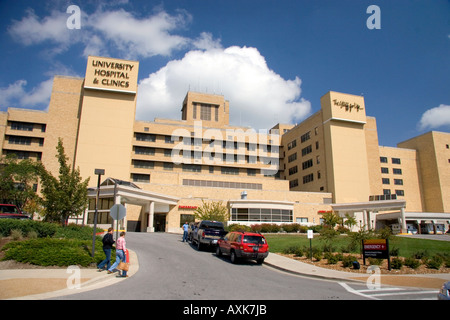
x,y
246,245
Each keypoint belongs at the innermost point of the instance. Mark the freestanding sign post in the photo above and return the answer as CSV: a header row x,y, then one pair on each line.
x,y
310,236
117,212
376,248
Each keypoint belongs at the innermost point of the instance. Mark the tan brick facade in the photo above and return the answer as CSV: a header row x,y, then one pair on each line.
x,y
293,170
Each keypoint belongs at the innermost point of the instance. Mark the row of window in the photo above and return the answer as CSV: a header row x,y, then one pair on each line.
x,y
198,155
263,215
394,170
27,126
398,182
393,160
226,144
25,140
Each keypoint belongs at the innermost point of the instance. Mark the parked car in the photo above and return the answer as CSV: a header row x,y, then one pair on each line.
x,y
243,245
444,293
11,211
207,233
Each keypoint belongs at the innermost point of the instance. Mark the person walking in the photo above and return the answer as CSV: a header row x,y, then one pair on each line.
x,y
121,250
185,232
108,241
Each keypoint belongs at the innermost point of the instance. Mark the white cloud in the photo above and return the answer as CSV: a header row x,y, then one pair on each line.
x,y
32,30
258,97
16,95
12,92
141,37
435,117
118,30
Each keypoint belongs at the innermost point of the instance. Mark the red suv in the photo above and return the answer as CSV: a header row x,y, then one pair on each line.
x,y
246,245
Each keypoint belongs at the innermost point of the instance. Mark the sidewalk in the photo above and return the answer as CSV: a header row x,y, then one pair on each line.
x,y
282,263
37,284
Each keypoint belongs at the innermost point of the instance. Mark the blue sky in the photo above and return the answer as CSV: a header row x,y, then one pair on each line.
x,y
273,60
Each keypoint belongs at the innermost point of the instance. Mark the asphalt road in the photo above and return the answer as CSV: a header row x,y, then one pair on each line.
x,y
171,269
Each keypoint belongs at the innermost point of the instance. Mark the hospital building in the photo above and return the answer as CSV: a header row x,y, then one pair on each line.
x,y
163,169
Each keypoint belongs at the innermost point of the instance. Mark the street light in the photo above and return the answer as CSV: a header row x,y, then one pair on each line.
x,y
98,172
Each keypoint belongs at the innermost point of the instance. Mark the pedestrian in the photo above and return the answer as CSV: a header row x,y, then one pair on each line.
x,y
120,254
108,241
185,231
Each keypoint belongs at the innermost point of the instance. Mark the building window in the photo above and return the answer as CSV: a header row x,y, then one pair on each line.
x,y
145,178
293,183
251,172
306,150
386,181
398,182
168,139
384,170
397,171
23,126
186,218
261,214
383,159
231,171
19,140
168,166
308,178
145,137
143,164
307,164
293,170
292,144
192,168
144,150
400,193
292,157
305,137
396,161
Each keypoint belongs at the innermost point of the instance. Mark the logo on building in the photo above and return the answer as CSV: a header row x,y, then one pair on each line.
x,y
347,105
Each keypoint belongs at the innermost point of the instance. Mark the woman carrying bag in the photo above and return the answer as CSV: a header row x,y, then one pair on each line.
x,y
120,256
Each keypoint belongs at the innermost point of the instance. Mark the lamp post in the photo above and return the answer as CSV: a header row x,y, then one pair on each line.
x,y
98,172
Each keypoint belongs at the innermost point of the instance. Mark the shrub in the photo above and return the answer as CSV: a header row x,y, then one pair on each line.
x,y
394,252
16,234
412,263
317,255
375,261
397,263
43,229
435,262
238,227
332,258
347,261
421,254
52,252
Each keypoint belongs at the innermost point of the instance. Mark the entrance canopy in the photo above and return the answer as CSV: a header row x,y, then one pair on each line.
x,y
370,210
126,192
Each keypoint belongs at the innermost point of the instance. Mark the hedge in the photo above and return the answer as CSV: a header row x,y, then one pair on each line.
x,y
52,252
42,229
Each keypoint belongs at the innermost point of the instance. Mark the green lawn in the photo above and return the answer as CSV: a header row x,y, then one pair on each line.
x,y
406,246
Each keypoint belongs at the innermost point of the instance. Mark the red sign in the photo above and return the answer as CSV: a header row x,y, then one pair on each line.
x,y
375,248
188,207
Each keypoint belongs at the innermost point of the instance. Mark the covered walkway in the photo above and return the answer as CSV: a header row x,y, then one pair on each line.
x,y
115,191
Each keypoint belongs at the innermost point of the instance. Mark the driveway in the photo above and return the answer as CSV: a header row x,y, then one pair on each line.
x,y
171,269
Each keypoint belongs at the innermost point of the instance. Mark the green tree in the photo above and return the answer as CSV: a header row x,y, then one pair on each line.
x,y
350,221
66,195
212,211
331,219
18,180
